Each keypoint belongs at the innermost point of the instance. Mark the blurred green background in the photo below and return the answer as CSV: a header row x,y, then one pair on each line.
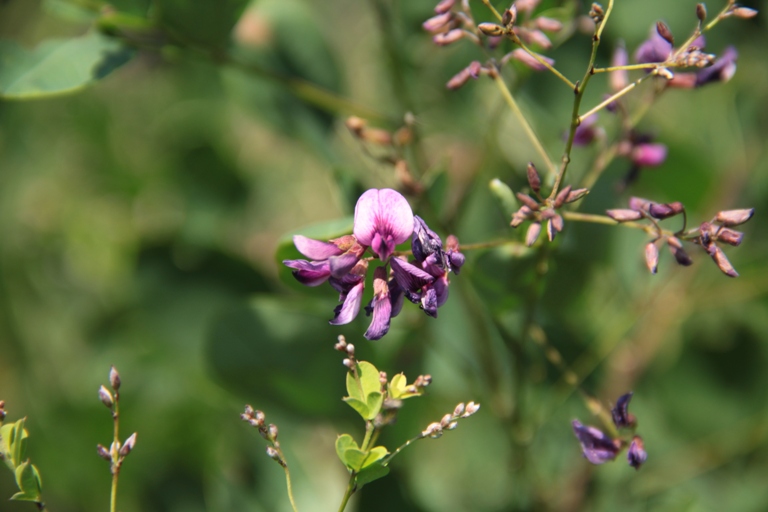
x,y
139,220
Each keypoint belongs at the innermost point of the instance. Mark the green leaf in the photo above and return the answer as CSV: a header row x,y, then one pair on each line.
x,y
374,402
28,480
360,406
397,388
375,454
369,378
349,452
325,230
203,22
504,195
370,473
18,442
58,66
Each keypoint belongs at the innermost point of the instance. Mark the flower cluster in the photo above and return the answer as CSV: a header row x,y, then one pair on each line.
x,y
543,209
707,235
383,219
598,447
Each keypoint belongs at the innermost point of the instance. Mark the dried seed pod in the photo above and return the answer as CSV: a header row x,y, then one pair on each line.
x,y
652,257
664,32
701,12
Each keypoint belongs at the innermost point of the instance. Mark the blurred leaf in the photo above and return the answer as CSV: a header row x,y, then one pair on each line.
x,y
343,443
204,22
375,454
325,230
504,195
397,388
28,480
360,406
371,472
58,66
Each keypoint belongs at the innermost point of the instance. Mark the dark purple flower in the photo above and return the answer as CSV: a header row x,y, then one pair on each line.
x,y
620,414
721,71
586,131
653,49
329,259
350,288
454,257
597,447
425,242
383,219
636,454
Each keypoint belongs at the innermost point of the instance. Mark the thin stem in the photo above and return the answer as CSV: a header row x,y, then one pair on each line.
x,y
632,67
603,219
505,92
616,96
385,460
542,61
493,10
115,454
288,484
579,92
348,493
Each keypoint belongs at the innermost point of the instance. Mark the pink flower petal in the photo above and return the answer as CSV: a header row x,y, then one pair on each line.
x,y
383,219
315,249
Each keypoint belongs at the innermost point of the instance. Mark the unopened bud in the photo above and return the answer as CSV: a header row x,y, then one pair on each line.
x,y
458,79
533,233
508,18
433,430
527,201
597,13
471,409
562,196
639,204
730,236
557,222
445,420
744,12
114,378
459,410
444,6
351,350
452,425
348,363
273,454
533,177
623,215
548,24
491,29
701,12
664,32
128,446
551,231
383,378
446,38
676,247
722,261
355,125
529,60
664,211
652,257
577,194
272,432
734,217
103,452
106,397
665,73
437,22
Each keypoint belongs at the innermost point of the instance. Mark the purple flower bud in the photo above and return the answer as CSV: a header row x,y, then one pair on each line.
x,y
425,242
743,12
652,257
620,413
586,132
649,154
676,247
597,447
491,29
444,6
623,215
437,22
735,217
663,30
103,453
639,204
533,233
455,258
722,261
533,177
114,378
636,454
562,196
106,397
548,24
128,446
458,79
475,68
383,219
577,194
730,236
557,222
446,38
666,210
527,201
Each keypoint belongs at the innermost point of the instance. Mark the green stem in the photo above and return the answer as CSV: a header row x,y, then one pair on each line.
x,y
541,61
288,484
493,10
603,219
505,92
616,96
115,454
349,492
385,461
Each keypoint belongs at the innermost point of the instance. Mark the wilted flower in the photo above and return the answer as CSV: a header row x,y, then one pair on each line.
x,y
620,413
636,454
586,132
721,71
596,446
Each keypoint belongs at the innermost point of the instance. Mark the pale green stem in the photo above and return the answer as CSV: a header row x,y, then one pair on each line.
x,y
400,448
616,96
348,493
604,219
541,61
288,482
493,10
631,67
505,92
115,454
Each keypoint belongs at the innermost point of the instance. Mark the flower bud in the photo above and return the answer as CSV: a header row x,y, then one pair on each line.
x,y
664,211
623,215
533,233
444,6
128,446
597,13
533,177
652,257
446,38
664,32
491,29
433,430
730,236
701,12
557,222
548,24
551,231
272,432
348,363
471,409
636,454
445,420
458,80
114,378
459,410
676,247
527,201
351,350
577,194
106,397
355,125
722,261
437,22
103,452
734,217
273,454
562,196
509,16
744,12
529,60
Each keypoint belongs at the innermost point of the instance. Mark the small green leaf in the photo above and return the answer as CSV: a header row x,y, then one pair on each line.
x,y
349,452
28,480
374,403
398,386
375,454
18,443
353,388
6,433
370,473
343,443
360,406
369,378
58,66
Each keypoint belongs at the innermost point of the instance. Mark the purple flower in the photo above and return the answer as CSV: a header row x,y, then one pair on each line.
x,y
380,306
636,454
649,154
597,447
721,71
335,258
586,131
350,288
620,413
653,49
383,219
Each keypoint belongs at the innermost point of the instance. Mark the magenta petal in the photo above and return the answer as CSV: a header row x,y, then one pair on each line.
x,y
441,288
408,276
382,313
315,249
649,154
347,311
384,212
595,445
341,265
309,273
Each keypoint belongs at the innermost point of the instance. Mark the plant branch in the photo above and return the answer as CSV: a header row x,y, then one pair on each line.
x,y
616,96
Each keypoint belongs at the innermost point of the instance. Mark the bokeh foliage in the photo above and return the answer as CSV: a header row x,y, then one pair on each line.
x,y
140,217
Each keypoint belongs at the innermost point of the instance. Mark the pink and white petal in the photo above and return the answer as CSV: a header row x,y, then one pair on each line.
x,y
315,249
347,311
395,215
309,273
